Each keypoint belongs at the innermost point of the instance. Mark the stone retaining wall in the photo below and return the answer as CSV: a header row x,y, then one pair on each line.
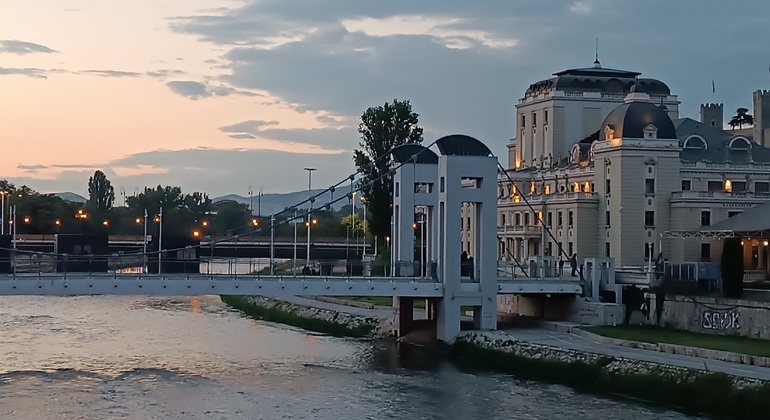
x,y
500,341
381,326
716,315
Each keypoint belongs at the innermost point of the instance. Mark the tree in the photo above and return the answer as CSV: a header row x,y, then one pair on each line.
x,y
101,195
740,118
382,128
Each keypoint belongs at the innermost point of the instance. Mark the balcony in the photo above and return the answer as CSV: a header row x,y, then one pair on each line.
x,y
710,196
551,198
726,165
504,231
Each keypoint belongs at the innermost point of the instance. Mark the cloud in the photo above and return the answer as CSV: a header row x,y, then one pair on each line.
x,y
162,74
197,90
250,126
329,139
242,136
446,30
31,168
23,48
581,7
110,73
29,72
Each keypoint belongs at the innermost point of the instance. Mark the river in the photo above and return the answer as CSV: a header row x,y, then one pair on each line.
x,y
116,357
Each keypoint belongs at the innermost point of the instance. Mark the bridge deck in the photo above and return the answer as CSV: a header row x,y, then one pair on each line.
x,y
275,286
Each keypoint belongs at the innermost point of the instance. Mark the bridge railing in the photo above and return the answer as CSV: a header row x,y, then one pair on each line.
x,y
186,262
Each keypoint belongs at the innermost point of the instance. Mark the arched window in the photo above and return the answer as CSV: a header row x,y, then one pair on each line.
x,y
575,154
695,142
739,143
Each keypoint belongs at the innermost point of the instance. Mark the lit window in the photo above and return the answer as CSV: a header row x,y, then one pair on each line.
x,y
548,188
728,185
587,187
532,188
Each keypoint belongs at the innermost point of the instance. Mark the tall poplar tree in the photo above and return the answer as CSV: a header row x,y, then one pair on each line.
x,y
382,128
101,195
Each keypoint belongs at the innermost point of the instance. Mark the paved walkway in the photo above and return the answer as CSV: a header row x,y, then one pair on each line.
x,y
563,339
571,341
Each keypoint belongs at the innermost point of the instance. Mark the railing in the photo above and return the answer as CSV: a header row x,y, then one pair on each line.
x,y
184,262
519,230
726,165
724,195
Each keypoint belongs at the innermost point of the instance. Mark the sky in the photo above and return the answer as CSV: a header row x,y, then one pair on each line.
x,y
228,96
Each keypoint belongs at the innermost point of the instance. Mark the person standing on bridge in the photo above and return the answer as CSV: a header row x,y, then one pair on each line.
x,y
573,264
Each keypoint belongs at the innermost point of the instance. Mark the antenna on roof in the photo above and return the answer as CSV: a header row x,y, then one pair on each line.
x,y
597,64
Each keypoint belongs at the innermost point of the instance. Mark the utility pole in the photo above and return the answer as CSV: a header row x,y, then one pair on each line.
x,y
309,210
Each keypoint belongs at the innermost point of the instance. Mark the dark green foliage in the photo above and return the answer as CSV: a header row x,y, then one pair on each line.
x,y
732,268
101,195
709,393
291,318
740,118
382,128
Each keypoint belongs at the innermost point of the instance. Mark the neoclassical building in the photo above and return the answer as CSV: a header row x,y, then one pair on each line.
x,y
602,166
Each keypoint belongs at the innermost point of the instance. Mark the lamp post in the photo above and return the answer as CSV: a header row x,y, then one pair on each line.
x,y
144,241
309,209
251,201
2,211
294,263
13,226
272,244
353,232
159,219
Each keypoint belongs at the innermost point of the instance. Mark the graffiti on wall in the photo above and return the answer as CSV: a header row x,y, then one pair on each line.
x,y
713,320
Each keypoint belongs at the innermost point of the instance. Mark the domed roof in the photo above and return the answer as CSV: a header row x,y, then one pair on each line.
x,y
462,145
413,152
632,118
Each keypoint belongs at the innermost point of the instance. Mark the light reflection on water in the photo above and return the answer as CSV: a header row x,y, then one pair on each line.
x,y
97,357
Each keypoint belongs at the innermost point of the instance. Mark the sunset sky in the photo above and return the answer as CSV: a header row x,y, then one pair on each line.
x,y
217,96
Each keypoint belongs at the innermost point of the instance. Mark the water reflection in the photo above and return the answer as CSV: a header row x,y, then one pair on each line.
x,y
194,358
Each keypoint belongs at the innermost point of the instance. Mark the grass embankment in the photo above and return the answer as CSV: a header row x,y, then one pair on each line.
x,y
289,317
658,335
710,393
380,300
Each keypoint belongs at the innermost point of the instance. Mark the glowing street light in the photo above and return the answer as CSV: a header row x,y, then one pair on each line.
x,y
81,214
27,220
138,220
105,223
57,222
314,221
205,223
255,222
196,233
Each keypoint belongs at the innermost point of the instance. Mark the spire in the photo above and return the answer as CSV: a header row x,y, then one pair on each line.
x,y
597,64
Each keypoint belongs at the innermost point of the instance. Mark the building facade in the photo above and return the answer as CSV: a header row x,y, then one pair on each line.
x,y
602,167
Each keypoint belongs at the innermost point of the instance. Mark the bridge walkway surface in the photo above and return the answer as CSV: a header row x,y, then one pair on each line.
x,y
568,340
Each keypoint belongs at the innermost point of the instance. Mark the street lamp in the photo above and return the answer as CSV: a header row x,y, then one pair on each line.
x,y
159,221
138,220
196,233
205,223
2,211
309,209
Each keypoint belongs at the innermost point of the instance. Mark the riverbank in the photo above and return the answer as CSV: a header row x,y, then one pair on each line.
x,y
673,381
688,389
333,319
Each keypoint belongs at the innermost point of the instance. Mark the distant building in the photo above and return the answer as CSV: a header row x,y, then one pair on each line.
x,y
607,165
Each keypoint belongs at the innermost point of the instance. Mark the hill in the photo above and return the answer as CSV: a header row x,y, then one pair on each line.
x,y
70,196
272,203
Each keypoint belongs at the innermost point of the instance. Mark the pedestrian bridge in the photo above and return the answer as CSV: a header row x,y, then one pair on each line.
x,y
262,285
